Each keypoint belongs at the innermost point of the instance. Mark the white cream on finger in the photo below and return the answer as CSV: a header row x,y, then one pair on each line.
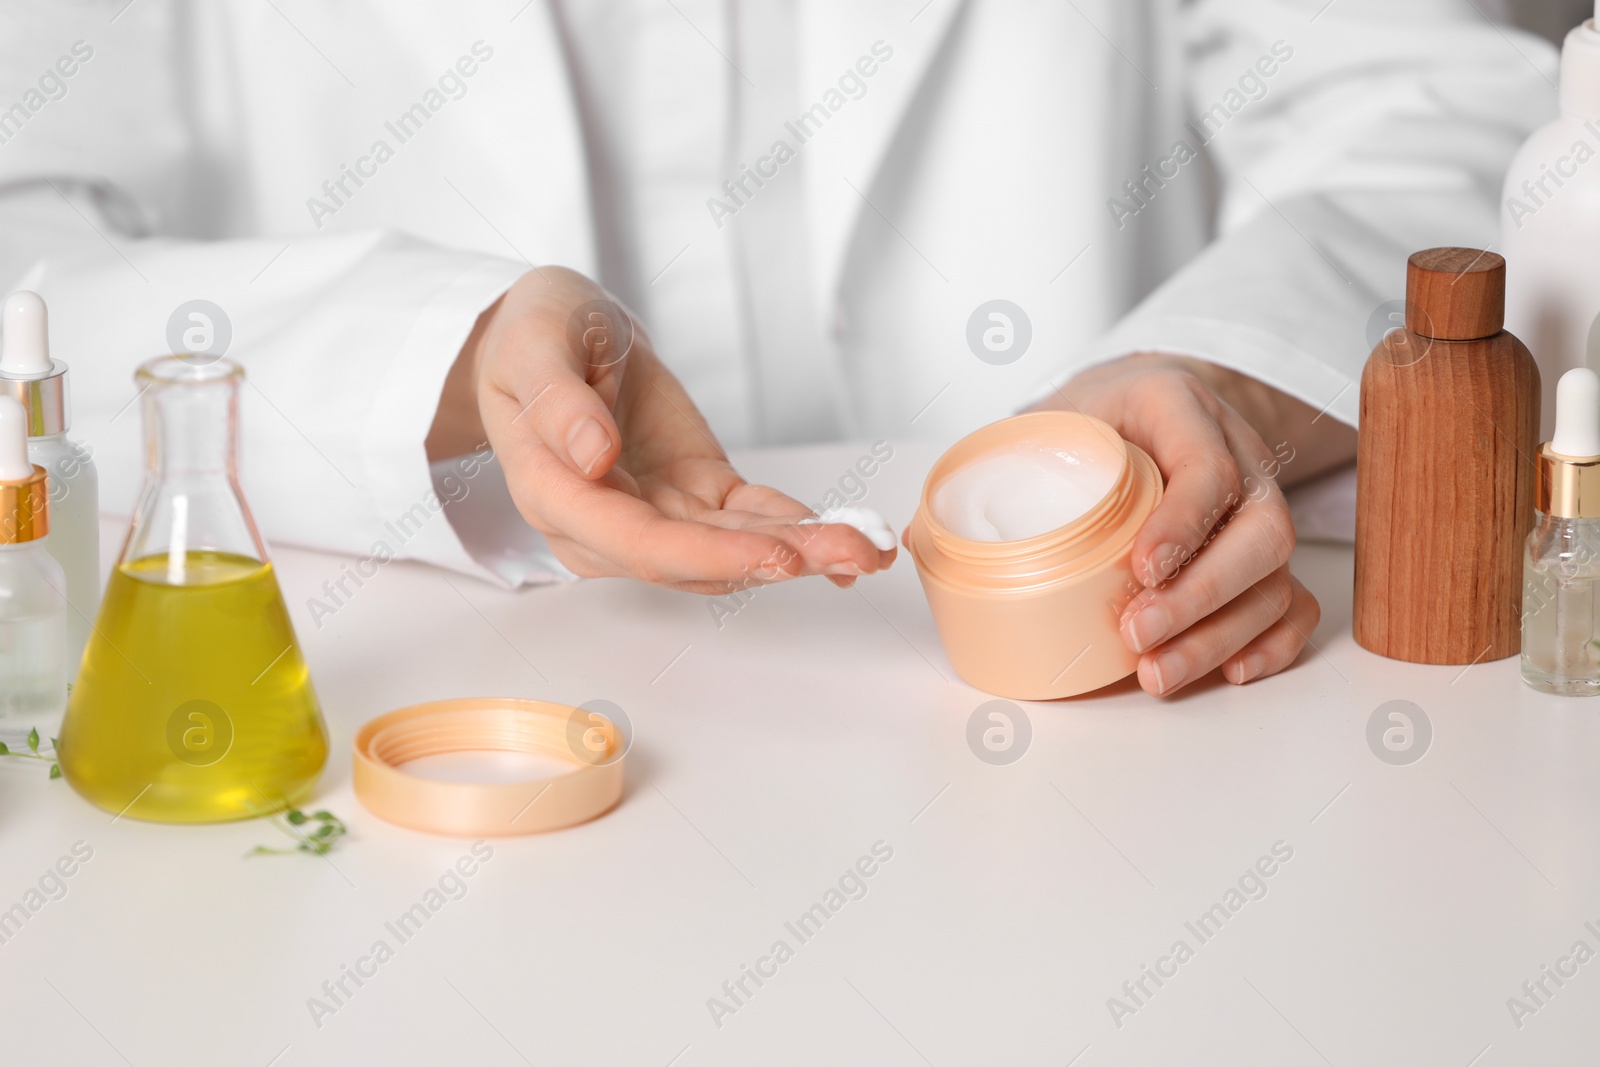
x,y
873,527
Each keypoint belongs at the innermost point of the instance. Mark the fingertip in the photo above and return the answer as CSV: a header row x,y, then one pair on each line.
x,y
1163,673
1246,668
838,549
591,448
1147,678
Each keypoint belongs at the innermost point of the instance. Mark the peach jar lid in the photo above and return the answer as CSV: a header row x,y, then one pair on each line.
x,y
594,742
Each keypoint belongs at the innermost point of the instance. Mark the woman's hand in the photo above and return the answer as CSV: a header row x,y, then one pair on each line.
x,y
1214,555
607,456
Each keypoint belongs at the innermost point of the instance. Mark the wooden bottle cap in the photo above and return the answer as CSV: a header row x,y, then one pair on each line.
x,y
1456,294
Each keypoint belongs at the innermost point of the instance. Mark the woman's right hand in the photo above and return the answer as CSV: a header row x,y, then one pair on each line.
x,y
606,455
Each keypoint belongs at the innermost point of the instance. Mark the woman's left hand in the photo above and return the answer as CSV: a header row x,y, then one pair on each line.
x,y
1214,555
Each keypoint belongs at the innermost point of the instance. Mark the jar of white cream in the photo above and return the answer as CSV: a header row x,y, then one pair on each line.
x,y
1023,540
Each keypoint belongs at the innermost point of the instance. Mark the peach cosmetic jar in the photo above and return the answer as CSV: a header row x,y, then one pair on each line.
x,y
1038,618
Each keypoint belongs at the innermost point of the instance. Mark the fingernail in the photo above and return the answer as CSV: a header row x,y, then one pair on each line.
x,y
842,583
1162,564
586,444
845,568
1147,627
1250,668
1170,670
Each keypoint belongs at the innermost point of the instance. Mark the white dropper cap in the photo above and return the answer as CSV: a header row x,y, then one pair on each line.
x,y
14,465
27,336
1577,414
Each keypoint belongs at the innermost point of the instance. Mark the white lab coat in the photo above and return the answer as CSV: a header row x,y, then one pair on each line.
x,y
985,161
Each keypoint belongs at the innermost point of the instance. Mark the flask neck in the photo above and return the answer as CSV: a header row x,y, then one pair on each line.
x,y
191,502
191,419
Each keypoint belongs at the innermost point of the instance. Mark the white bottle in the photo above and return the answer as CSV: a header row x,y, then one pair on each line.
x,y
33,600
1550,225
39,384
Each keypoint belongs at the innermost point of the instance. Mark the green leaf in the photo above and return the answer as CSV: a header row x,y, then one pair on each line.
x,y
320,839
4,751
55,770
33,740
54,744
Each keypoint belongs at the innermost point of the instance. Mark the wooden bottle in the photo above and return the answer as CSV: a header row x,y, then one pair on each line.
x,y
1445,471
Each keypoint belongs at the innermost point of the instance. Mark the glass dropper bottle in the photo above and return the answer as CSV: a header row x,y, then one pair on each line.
x,y
193,703
1561,561
34,662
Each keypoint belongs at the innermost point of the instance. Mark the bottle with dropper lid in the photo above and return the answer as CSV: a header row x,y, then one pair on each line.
x,y
1561,566
33,604
39,384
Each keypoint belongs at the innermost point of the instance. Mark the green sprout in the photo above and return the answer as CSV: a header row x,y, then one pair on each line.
x,y
34,753
326,829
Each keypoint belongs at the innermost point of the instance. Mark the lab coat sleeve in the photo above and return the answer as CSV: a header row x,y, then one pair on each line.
x,y
345,336
345,339
1343,137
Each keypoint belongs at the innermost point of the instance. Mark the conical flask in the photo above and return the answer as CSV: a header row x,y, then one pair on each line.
x,y
193,703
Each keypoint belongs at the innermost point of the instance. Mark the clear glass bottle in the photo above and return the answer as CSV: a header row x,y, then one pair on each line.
x,y
193,703
1561,606
33,603
1561,558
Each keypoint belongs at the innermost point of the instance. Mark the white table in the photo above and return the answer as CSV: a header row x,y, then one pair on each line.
x,y
773,753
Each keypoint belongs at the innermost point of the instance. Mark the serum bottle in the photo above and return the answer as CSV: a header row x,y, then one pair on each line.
x,y
39,384
1561,564
33,602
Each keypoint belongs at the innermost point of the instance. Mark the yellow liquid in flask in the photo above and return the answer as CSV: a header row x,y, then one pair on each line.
x,y
193,703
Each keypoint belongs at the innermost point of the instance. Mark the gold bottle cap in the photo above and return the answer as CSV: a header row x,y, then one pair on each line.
x,y
24,509
1567,486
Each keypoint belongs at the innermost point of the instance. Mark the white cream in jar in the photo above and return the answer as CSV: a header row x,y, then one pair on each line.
x,y
1021,492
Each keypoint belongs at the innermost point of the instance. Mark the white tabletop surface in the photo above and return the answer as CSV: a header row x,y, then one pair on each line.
x,y
769,756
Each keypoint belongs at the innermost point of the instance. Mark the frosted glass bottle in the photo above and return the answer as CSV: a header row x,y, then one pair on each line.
x,y
33,607
74,538
39,384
